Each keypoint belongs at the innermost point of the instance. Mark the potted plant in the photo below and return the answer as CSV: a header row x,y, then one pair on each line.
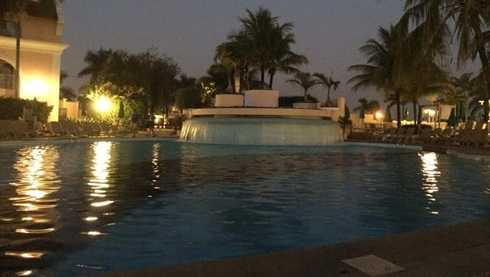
x,y
306,81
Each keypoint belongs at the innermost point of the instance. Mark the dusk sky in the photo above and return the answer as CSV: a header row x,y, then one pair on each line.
x,y
328,32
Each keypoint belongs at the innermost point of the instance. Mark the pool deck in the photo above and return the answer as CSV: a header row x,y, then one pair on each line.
x,y
460,250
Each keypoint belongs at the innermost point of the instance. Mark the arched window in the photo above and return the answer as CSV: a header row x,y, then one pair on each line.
x,y
6,75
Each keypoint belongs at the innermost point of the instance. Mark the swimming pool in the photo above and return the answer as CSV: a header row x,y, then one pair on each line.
x,y
85,207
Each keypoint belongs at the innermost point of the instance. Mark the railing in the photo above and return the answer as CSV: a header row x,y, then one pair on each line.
x,y
6,81
7,28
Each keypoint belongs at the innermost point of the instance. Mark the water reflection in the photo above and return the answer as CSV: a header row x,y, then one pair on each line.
x,y
32,214
155,165
430,175
99,183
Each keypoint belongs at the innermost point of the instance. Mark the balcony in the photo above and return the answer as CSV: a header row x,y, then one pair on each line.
x,y
7,81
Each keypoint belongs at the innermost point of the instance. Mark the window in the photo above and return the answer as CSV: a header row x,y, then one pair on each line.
x,y
7,28
6,75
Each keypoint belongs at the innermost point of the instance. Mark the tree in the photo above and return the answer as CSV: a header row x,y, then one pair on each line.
x,y
261,43
221,75
15,10
97,63
281,58
381,70
147,76
368,106
304,80
237,51
477,94
469,20
259,28
66,92
188,98
327,83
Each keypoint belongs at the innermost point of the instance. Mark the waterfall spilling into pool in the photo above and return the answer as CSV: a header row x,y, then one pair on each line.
x,y
261,131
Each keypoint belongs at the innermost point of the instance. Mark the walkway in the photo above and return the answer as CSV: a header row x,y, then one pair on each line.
x,y
462,250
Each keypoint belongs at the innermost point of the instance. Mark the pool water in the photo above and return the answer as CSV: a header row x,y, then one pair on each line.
x,y
88,207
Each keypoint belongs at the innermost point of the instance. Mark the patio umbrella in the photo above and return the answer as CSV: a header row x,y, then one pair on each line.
x,y
120,113
361,113
451,121
405,114
457,112
388,115
485,111
462,112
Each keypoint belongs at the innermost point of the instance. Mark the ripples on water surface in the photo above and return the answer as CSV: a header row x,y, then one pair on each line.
x,y
104,206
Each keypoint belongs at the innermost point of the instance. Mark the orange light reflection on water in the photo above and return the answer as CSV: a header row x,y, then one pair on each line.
x,y
99,183
37,181
430,174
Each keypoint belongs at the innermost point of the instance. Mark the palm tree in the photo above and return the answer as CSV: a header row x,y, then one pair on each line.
x,y
381,70
15,10
237,50
261,43
327,83
368,106
261,28
304,80
280,57
425,79
97,62
285,63
221,76
476,94
469,18
66,92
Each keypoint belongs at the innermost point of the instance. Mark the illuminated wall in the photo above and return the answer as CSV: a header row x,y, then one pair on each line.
x,y
40,60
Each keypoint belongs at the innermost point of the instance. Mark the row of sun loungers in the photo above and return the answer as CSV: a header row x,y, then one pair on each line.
x,y
18,129
81,129
471,135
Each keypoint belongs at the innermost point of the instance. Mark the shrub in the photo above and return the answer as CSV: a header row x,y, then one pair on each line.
x,y
287,101
13,108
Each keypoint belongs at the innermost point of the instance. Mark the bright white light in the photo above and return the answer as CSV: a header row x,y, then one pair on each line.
x,y
37,88
103,104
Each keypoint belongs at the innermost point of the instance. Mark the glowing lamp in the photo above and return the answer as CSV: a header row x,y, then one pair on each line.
x,y
103,104
37,88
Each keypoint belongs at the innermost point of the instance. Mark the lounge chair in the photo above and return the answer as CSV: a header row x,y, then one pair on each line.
x,y
461,138
56,129
22,129
444,136
407,135
477,137
7,129
425,136
399,132
71,129
89,129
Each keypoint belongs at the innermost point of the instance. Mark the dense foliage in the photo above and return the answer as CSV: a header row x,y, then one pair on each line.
x,y
13,109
